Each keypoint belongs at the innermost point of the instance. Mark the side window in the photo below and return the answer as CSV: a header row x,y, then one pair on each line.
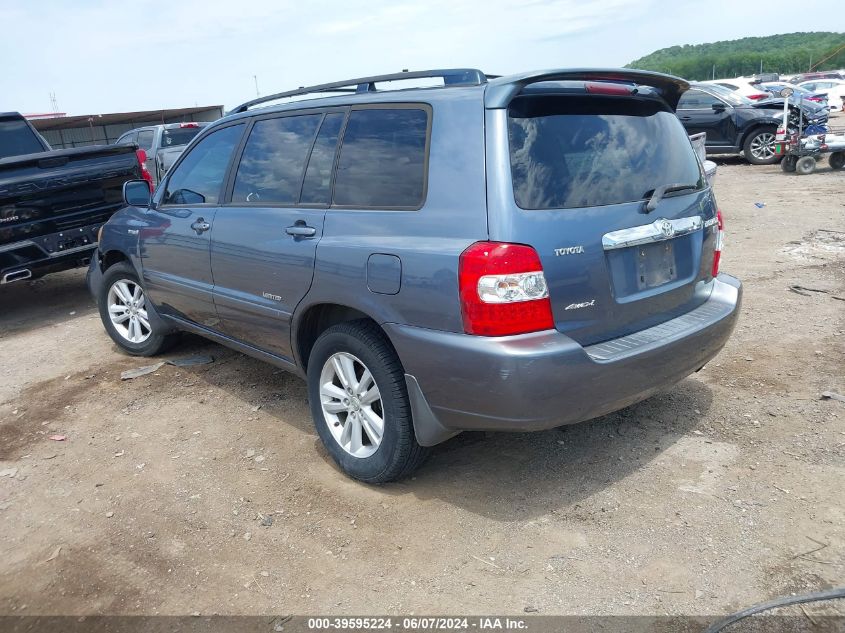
x,y
382,159
274,158
696,100
317,188
145,140
127,139
199,176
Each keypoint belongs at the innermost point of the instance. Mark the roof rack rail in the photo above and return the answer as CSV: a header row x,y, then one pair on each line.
x,y
450,76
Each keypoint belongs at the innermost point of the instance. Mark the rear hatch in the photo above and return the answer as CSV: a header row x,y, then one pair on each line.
x,y
581,166
51,192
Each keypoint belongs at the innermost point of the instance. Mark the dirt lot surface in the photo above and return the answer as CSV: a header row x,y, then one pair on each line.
x,y
205,489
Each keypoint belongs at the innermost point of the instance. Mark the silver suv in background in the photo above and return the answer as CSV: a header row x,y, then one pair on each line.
x,y
162,143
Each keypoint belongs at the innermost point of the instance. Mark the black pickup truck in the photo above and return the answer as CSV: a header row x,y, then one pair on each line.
x,y
53,203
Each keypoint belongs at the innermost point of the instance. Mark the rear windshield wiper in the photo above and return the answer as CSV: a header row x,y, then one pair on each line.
x,y
662,190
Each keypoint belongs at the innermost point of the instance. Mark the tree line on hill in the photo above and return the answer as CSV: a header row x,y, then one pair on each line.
x,y
786,54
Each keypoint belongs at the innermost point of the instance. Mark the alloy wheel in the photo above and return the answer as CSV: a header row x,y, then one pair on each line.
x,y
763,146
351,404
127,311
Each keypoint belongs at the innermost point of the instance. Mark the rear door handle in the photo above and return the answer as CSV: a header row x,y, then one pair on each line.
x,y
300,229
686,118
200,226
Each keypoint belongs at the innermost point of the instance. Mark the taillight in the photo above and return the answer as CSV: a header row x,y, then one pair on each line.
x,y
759,95
503,290
145,173
720,239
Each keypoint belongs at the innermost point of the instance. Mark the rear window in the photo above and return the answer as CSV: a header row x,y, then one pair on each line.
x,y
17,139
573,152
178,136
382,159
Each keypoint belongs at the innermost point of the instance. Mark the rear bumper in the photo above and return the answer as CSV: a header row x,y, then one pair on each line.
x,y
545,379
48,253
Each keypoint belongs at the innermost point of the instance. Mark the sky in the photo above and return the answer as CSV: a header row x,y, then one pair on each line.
x,y
101,56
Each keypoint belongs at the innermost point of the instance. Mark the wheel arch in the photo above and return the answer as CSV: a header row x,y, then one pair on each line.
x,y
112,257
755,127
312,321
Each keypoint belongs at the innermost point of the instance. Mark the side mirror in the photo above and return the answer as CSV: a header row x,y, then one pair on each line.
x,y
719,107
136,193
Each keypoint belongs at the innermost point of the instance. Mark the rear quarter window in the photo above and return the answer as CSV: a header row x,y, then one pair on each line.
x,y
382,161
573,151
17,139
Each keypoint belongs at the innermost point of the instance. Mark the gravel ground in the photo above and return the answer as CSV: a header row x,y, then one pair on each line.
x,y
205,489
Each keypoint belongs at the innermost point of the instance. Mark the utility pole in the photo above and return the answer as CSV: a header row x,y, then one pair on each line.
x,y
257,94
761,66
714,72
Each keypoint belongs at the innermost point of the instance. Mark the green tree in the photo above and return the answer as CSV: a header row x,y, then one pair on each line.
x,y
786,54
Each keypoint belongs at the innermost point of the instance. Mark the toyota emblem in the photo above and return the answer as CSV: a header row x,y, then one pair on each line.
x,y
666,228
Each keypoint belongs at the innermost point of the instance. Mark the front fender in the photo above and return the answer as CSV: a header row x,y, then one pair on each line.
x,y
121,235
756,125
94,281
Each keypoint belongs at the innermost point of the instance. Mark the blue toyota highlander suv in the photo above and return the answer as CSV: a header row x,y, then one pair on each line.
x,y
511,253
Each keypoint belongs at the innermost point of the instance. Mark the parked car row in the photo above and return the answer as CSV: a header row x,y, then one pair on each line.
x,y
833,88
802,77
826,89
775,89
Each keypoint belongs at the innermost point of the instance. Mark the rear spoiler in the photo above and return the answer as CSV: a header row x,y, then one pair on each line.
x,y
501,91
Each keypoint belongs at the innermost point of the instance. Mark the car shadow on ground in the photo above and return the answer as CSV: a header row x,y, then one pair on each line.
x,y
504,476
512,476
254,382
728,159
29,305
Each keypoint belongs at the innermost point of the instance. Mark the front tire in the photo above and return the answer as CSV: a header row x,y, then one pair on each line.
x,y
759,147
359,402
122,302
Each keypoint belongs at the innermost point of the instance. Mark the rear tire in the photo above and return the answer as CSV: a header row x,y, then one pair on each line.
x,y
759,147
370,437
122,302
805,165
836,160
788,164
